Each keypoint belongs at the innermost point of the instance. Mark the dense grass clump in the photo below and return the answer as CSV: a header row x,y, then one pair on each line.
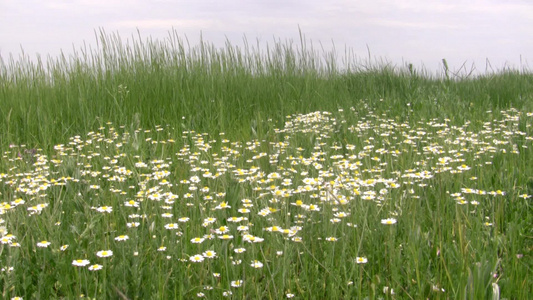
x,y
169,82
153,169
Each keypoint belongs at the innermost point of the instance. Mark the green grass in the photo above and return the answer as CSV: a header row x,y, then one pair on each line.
x,y
311,158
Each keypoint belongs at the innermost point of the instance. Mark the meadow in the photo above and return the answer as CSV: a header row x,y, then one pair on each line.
x,y
155,169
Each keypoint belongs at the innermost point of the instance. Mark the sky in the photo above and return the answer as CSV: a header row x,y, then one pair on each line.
x,y
422,32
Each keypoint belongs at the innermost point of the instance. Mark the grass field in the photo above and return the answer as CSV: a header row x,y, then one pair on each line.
x,y
158,170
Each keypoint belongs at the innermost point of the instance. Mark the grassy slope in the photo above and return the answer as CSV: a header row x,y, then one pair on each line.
x,y
230,89
237,91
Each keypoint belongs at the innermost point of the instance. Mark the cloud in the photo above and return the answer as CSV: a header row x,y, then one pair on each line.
x,y
418,30
85,4
460,6
166,23
398,24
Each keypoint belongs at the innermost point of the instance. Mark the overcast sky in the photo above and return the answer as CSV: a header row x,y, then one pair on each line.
x,y
422,32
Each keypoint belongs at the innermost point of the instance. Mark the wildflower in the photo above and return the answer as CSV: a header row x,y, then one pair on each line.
x,y
388,221
210,220
273,229
43,244
155,196
239,250
264,212
436,288
8,270
463,168
222,205
122,238
209,254
227,293
341,214
63,248
80,262
131,203
222,230
133,224
243,228
105,209
331,239
311,207
17,202
196,258
361,260
162,249
368,197
140,164
197,240
461,201
172,226
469,191
225,237
387,290
104,253
257,264
37,208
236,283
289,295
297,203
235,219
95,267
